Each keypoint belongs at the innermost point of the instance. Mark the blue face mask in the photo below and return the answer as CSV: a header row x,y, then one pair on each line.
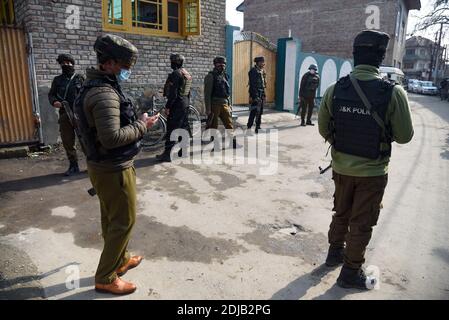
x,y
124,75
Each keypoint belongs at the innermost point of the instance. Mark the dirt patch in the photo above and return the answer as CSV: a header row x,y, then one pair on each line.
x,y
156,240
164,180
305,244
218,196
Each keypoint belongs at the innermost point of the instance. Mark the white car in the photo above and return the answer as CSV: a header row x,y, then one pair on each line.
x,y
427,87
394,75
413,85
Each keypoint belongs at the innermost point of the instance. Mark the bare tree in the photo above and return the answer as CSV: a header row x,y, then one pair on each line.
x,y
439,16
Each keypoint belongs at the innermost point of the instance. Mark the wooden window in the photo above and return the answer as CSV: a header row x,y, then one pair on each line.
x,y
147,14
7,12
173,18
192,12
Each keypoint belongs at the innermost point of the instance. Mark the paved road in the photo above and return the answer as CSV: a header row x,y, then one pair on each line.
x,y
226,231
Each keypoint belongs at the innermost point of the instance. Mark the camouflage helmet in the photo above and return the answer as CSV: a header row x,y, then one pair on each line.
x,y
116,48
65,57
372,39
220,59
177,59
313,66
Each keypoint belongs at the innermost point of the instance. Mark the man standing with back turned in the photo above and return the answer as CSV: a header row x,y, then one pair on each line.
x,y
361,115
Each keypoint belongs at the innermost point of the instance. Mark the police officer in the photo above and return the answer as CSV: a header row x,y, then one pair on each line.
x,y
217,97
65,87
110,136
307,93
177,90
257,85
361,134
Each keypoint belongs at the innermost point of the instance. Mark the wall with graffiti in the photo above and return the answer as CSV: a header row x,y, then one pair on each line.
x,y
292,64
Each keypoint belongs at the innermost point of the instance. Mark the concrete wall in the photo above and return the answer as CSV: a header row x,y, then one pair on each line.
x,y
293,63
326,27
46,21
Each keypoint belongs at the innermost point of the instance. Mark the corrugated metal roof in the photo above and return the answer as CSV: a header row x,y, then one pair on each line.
x,y
241,7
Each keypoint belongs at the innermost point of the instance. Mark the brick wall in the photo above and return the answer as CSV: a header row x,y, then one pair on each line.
x,y
324,26
46,20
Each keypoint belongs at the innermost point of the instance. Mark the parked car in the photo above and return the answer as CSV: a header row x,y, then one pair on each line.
x,y
427,87
394,75
413,85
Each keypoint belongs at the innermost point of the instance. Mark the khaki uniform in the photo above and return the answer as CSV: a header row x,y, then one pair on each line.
x,y
223,112
218,106
113,180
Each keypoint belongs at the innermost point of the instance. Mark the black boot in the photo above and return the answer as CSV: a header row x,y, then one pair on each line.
x,y
355,279
334,257
309,123
303,123
73,169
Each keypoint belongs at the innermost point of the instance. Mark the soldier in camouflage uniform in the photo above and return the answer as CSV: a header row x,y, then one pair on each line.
x,y
257,84
307,93
177,90
64,88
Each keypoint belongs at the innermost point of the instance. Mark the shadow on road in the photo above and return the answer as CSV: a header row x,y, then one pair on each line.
x,y
38,182
29,287
298,288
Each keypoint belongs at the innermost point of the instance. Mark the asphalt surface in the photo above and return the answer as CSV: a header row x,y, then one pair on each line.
x,y
230,230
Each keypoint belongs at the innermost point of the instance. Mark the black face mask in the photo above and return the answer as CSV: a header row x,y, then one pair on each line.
x,y
66,69
220,68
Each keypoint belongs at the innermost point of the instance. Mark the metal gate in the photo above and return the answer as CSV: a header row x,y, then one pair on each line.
x,y
17,122
247,46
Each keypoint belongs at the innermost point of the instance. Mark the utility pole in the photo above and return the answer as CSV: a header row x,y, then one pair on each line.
x,y
437,64
445,61
432,55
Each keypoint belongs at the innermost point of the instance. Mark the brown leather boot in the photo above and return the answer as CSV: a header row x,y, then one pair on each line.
x,y
132,263
118,287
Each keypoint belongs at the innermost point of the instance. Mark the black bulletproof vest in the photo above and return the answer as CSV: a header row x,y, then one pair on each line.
x,y
89,135
354,129
221,87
